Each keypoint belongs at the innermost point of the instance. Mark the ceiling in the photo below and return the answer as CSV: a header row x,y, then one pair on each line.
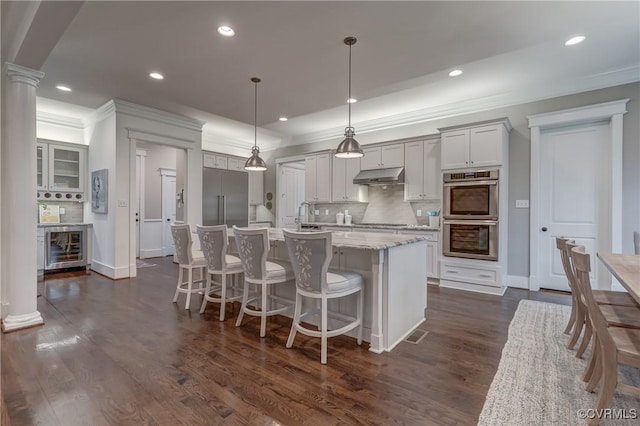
x,y
510,52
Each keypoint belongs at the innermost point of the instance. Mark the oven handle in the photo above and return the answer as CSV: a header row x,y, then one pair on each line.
x,y
470,222
472,183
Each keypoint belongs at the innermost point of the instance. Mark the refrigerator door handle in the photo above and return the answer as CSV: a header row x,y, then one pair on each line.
x,y
224,209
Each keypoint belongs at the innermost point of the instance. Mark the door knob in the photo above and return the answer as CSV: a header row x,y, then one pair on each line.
x,y
168,219
543,229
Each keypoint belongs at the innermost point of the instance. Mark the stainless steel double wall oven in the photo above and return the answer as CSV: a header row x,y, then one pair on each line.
x,y
470,213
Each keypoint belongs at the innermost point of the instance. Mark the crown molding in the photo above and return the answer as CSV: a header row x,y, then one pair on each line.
x,y
528,94
59,120
105,111
153,114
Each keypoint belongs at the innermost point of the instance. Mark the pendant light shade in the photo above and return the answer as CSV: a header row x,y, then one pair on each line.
x,y
349,147
255,163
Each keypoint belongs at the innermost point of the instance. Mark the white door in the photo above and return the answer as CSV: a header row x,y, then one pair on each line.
x,y
292,191
574,197
168,212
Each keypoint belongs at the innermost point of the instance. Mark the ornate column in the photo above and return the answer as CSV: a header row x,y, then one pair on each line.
x,y
19,213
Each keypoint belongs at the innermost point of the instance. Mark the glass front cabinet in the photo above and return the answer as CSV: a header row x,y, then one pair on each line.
x,y
61,168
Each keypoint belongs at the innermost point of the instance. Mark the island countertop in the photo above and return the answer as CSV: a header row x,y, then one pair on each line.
x,y
398,227
359,240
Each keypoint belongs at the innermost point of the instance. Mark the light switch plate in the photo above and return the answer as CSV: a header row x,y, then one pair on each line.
x,y
419,213
62,210
326,212
122,203
522,204
316,212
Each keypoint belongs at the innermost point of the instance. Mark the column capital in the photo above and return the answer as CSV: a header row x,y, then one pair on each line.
x,y
20,74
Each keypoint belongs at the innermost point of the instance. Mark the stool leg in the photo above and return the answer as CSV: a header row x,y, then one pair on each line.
x,y
296,320
585,340
206,294
323,335
263,310
223,296
189,286
245,297
175,296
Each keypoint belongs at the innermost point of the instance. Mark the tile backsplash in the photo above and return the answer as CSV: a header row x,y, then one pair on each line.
x,y
386,205
73,211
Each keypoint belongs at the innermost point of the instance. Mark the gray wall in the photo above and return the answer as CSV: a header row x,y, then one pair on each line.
x,y
519,158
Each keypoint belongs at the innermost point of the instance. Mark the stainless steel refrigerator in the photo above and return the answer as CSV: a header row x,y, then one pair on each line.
x,y
225,197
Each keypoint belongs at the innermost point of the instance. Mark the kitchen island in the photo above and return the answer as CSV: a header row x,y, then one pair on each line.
x,y
395,275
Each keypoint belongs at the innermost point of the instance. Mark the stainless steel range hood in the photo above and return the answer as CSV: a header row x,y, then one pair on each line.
x,y
390,176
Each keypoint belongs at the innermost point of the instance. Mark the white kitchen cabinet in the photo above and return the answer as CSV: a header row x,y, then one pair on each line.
x,y
256,187
317,178
422,174
475,146
214,161
432,250
61,168
342,187
383,157
236,164
42,161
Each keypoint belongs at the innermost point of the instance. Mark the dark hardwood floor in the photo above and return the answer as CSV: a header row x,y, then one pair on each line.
x,y
119,352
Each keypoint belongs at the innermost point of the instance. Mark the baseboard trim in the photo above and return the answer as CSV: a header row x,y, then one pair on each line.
x,y
110,271
146,254
458,285
517,281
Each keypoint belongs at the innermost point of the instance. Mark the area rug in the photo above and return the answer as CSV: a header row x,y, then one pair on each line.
x,y
538,379
143,264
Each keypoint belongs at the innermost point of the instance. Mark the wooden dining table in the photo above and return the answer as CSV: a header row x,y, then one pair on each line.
x,y
626,269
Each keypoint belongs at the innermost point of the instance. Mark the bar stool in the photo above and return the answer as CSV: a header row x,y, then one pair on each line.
x,y
253,249
214,242
187,260
310,254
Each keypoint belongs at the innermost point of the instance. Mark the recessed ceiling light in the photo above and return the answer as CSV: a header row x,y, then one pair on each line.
x,y
63,88
455,73
352,100
283,118
574,40
226,31
156,75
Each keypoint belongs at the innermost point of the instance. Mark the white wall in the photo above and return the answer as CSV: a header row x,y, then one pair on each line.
x,y
158,157
101,136
59,132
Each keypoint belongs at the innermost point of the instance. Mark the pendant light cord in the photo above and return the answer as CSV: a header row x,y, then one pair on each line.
x,y
255,116
349,100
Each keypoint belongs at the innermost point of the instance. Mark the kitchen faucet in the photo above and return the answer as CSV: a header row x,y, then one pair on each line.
x,y
298,219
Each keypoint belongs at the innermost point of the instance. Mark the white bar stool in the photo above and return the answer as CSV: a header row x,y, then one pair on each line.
x,y
310,254
187,260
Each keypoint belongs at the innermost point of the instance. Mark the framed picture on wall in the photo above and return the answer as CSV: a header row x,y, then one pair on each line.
x,y
99,191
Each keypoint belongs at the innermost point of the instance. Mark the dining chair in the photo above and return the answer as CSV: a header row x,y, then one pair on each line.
x,y
214,243
310,254
187,260
621,316
616,345
253,249
623,309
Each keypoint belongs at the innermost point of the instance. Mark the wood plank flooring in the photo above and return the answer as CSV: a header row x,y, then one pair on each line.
x,y
119,352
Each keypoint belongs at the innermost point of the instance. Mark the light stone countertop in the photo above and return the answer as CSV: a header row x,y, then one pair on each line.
x,y
48,225
358,240
359,225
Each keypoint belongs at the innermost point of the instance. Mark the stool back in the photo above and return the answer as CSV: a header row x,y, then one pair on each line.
x,y
213,242
310,254
253,248
182,241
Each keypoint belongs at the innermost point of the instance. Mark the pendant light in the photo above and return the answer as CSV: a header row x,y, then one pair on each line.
x,y
349,147
255,163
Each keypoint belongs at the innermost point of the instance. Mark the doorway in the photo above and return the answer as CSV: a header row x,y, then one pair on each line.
x,y
576,188
290,192
155,202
